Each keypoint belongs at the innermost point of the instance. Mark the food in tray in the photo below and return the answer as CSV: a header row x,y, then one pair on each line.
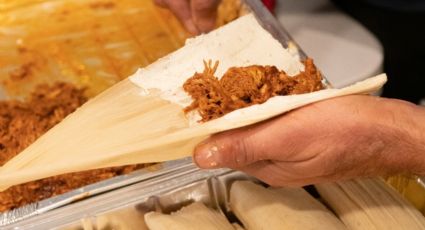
x,y
258,207
123,219
91,43
195,216
238,198
127,219
370,204
106,131
357,204
22,122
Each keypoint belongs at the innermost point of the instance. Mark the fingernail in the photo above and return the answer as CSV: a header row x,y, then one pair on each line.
x,y
206,156
191,27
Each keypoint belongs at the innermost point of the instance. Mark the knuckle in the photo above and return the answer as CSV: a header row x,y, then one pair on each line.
x,y
237,152
244,154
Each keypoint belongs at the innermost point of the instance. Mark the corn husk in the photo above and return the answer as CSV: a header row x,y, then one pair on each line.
x,y
195,216
370,204
284,208
141,120
237,226
126,219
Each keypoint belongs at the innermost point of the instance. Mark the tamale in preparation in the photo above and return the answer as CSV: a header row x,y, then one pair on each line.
x,y
110,122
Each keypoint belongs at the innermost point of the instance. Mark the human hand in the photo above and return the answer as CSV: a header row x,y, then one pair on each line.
x,y
341,138
197,16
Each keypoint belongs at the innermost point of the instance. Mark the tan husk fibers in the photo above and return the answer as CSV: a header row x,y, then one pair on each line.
x,y
122,126
195,216
370,204
259,208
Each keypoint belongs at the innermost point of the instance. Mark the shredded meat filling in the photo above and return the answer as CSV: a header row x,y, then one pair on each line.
x,y
21,123
244,86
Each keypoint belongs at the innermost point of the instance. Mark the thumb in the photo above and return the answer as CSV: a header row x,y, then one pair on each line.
x,y
234,149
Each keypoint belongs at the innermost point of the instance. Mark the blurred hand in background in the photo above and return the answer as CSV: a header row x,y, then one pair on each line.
x,y
198,16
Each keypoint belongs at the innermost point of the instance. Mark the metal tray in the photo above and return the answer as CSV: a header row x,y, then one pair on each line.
x,y
43,206
125,208
166,193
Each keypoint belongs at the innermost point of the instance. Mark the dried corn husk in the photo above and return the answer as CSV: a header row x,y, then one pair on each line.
x,y
126,219
283,208
370,204
129,123
237,226
195,216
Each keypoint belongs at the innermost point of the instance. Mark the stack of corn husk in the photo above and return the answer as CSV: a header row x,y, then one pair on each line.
x,y
357,204
370,204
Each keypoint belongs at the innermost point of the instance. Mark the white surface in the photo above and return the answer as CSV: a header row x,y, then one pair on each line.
x,y
344,50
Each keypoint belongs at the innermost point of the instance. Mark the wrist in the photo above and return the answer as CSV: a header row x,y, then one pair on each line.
x,y
405,135
417,133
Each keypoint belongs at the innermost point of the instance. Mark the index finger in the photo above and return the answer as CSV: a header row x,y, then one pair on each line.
x,y
182,9
204,13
